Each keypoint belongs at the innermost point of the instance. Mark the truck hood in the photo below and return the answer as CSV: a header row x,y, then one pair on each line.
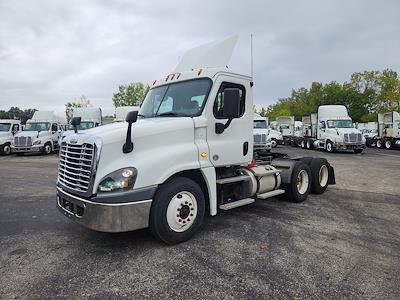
x,y
347,130
160,145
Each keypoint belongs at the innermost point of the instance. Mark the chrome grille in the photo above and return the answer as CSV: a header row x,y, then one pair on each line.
x,y
260,138
23,141
75,168
352,138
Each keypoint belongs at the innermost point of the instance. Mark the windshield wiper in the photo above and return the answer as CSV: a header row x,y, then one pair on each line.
x,y
172,114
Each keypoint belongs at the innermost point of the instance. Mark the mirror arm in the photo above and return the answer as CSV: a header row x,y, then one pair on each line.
x,y
128,146
220,128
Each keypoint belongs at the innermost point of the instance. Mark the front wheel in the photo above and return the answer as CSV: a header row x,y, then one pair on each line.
x,y
274,143
329,147
47,148
6,149
177,211
300,183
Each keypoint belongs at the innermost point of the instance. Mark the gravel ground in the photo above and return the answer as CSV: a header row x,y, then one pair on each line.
x,y
342,244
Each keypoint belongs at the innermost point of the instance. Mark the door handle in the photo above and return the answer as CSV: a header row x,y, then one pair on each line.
x,y
245,148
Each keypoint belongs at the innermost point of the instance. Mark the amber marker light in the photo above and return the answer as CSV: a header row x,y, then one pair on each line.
x,y
203,154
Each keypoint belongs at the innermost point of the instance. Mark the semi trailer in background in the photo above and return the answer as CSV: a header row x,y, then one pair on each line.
x,y
188,152
331,129
8,129
41,134
388,131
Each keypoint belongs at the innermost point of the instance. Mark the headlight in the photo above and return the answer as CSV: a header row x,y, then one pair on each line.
x,y
118,181
37,142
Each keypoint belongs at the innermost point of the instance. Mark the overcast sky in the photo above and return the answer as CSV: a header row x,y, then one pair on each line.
x,y
54,51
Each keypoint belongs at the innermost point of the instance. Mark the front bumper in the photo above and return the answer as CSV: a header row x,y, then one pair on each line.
x,y
33,149
107,215
348,146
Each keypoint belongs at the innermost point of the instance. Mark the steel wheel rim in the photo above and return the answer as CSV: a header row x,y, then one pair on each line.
x,y
302,182
182,211
378,144
323,175
47,148
6,149
388,144
329,147
308,145
273,143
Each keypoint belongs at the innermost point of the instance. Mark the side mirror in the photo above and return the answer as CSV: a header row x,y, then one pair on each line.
x,y
231,109
131,117
76,122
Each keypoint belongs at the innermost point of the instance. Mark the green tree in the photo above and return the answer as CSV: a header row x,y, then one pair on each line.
x,y
17,114
131,94
83,101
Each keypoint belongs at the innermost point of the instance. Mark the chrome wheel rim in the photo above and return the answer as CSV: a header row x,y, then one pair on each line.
x,y
47,149
388,144
182,211
329,147
378,144
302,182
323,175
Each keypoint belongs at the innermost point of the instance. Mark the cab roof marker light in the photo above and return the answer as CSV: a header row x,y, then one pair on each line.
x,y
172,77
199,72
179,75
154,82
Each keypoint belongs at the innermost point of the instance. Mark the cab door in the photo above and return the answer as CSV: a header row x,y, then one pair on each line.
x,y
235,144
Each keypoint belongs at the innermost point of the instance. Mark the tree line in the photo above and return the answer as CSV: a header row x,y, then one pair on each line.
x,y
18,114
365,95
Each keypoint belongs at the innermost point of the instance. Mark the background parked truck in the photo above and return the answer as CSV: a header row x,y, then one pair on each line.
x,y
41,134
8,129
388,130
331,129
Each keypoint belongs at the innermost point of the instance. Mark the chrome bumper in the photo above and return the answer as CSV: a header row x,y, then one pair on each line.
x,y
105,217
25,149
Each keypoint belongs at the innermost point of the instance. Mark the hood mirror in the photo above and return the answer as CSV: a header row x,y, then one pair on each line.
x,y
131,118
75,123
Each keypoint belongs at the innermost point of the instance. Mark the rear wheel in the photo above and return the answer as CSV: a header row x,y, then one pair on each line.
x,y
388,144
308,145
319,174
379,144
177,211
302,144
299,187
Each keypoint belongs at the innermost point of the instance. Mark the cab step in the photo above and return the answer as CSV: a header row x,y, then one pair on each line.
x,y
233,179
235,204
270,194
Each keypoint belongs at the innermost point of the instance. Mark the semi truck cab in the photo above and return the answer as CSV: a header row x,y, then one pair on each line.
x,y
8,128
187,152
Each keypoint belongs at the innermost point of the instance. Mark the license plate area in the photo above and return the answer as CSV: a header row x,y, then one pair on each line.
x,y
71,207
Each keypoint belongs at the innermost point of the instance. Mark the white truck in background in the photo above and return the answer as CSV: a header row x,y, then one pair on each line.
x,y
262,141
122,111
370,132
388,131
41,134
8,128
285,125
331,129
91,117
261,126
188,152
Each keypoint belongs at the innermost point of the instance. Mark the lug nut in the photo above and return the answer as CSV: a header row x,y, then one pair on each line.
x,y
186,202
191,215
179,220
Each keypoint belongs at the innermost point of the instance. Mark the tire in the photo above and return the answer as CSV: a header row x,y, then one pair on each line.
x,y
358,150
302,144
379,144
274,143
388,144
329,147
319,175
172,210
309,145
47,148
6,149
296,191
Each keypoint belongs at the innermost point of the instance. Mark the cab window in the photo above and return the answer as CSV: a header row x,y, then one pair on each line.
x,y
54,127
219,100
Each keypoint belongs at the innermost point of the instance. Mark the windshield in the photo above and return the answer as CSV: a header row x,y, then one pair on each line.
x,y
340,124
82,126
5,126
284,126
182,99
39,126
260,124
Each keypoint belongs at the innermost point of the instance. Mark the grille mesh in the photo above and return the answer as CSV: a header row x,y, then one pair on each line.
x,y
352,138
23,141
260,138
76,166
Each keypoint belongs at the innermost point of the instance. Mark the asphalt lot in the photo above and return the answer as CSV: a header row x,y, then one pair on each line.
x,y
342,244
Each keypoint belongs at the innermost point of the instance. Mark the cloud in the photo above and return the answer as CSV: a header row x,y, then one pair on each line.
x,y
55,51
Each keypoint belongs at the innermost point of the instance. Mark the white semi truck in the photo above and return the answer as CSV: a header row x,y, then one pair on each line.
x,y
8,128
388,130
188,152
262,140
260,126
41,134
331,129
90,117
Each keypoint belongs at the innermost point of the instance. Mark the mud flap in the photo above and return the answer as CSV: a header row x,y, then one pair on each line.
x,y
331,177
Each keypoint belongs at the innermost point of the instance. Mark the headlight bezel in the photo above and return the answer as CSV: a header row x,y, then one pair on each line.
x,y
121,180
